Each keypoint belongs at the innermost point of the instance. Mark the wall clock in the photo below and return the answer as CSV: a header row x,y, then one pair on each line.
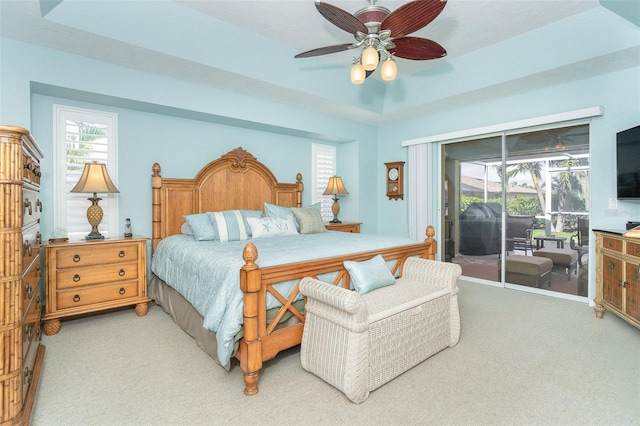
x,y
395,180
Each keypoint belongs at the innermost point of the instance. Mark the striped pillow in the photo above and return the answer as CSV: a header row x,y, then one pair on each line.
x,y
229,225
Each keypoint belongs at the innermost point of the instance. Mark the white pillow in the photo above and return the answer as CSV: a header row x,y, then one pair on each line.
x,y
270,226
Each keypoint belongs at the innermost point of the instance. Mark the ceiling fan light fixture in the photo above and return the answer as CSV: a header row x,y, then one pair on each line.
x,y
370,58
389,70
358,74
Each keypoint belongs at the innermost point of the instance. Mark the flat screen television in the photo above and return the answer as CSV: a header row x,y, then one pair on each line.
x,y
628,163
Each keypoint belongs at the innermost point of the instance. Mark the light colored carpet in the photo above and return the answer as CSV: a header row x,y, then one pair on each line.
x,y
522,359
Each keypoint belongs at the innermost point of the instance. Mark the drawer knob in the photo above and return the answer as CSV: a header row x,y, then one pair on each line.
x,y
27,247
122,290
39,205
29,333
38,271
76,258
29,290
28,374
121,272
76,278
121,254
636,249
39,335
27,206
76,298
38,237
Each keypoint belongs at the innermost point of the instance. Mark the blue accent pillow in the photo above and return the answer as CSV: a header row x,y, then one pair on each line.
x,y
273,210
229,225
370,274
250,213
201,226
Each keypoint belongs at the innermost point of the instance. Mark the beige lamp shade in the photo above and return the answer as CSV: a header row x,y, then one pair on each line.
x,y
335,187
95,179
358,74
370,58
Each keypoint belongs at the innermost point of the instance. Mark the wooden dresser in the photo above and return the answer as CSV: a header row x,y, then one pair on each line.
x,y
618,276
20,239
344,227
91,276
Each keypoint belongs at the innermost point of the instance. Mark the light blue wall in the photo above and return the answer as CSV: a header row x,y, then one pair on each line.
x,y
154,126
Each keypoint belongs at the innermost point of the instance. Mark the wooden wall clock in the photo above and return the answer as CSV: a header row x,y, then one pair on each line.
x,y
395,180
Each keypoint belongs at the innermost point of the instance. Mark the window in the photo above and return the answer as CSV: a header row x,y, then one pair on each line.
x,y
82,136
323,167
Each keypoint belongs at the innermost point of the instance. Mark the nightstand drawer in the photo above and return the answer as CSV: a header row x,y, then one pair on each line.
x,y
91,295
96,254
87,276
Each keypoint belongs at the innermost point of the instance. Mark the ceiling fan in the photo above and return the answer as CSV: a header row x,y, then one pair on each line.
x,y
382,34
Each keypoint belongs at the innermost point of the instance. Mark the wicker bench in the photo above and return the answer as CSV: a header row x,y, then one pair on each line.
x,y
358,342
531,271
564,260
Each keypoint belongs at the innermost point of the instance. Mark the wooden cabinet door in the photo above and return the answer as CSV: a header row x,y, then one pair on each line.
x,y
632,292
612,280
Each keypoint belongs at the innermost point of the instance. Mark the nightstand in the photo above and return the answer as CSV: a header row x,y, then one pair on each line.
x,y
90,276
344,227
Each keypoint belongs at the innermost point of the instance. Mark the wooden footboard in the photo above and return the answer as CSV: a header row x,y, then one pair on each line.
x,y
261,340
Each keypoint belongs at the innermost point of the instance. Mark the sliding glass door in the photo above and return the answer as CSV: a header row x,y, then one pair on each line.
x,y
514,200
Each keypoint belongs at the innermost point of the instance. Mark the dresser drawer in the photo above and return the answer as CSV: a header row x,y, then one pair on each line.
x,y
633,249
31,282
31,206
612,244
98,254
66,299
31,325
91,275
31,240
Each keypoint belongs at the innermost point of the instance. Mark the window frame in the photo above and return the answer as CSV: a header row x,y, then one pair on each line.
x,y
320,177
109,225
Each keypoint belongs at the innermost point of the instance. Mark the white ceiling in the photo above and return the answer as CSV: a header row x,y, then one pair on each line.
x,y
464,27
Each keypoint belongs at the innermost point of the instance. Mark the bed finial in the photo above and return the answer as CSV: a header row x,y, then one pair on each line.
x,y
155,169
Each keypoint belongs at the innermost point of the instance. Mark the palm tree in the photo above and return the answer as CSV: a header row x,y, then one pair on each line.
x,y
534,169
563,183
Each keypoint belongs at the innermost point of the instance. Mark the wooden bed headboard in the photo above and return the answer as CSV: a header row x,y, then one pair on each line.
x,y
237,180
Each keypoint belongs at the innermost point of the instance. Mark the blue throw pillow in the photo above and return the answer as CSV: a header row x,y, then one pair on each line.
x,y
229,225
201,226
370,274
250,213
273,210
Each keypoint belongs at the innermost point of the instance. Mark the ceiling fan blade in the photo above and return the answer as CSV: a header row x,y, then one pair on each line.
x,y
412,16
325,50
341,18
417,49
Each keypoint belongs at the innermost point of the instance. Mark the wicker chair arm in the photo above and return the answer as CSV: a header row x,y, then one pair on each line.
x,y
336,304
441,274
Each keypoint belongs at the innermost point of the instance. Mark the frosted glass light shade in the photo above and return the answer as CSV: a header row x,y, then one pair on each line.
x,y
389,70
357,74
370,58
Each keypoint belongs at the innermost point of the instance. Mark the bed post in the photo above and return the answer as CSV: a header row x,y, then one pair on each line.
x,y
300,189
430,252
250,350
156,184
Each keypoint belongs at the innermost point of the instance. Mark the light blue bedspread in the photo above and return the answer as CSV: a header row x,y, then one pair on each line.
x,y
206,273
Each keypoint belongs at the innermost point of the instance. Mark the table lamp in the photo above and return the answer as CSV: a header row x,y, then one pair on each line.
x,y
94,179
335,187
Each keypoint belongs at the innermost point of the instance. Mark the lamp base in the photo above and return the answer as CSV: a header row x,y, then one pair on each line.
x,y
335,209
94,237
94,216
